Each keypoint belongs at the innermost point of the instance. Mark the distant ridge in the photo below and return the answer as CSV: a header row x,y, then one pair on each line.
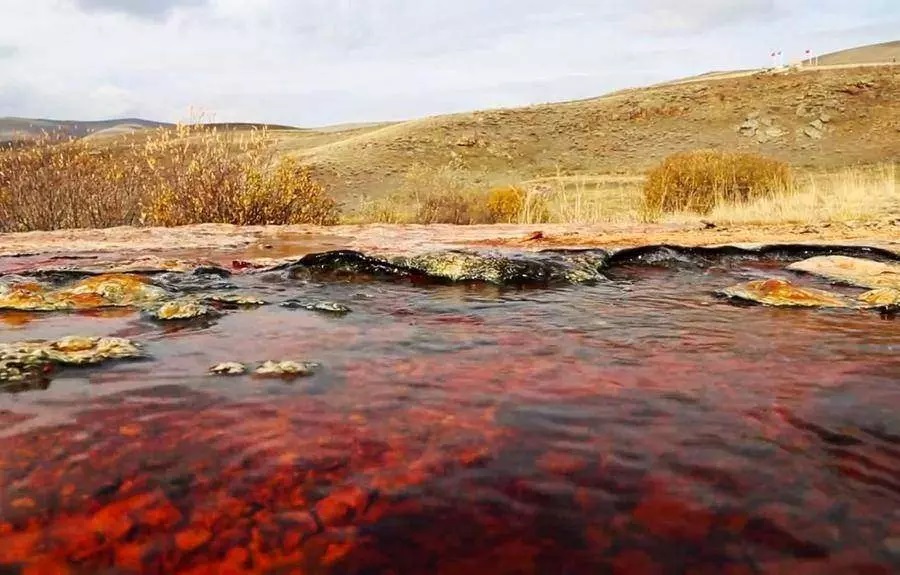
x,y
13,129
883,53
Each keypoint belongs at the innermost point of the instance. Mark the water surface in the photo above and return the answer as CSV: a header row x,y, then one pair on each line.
x,y
639,425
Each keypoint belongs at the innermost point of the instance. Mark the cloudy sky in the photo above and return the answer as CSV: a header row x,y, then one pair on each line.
x,y
318,62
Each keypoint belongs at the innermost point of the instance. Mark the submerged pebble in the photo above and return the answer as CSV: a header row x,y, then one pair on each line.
x,y
286,368
236,300
181,309
228,368
320,306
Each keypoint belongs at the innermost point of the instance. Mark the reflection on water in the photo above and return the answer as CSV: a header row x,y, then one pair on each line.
x,y
636,426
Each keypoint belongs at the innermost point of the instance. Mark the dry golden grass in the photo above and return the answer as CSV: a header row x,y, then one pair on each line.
x,y
853,194
700,181
859,194
188,175
429,196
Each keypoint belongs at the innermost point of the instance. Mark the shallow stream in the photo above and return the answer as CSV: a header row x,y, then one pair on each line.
x,y
637,424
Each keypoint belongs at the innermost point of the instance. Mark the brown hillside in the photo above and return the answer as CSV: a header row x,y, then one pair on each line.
x,y
874,54
816,119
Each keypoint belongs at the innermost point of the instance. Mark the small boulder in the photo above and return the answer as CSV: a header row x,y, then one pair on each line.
x,y
887,299
107,290
181,309
228,368
26,365
812,133
782,293
286,369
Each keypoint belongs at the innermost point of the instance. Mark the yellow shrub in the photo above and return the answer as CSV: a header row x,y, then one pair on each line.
x,y
505,204
186,175
699,181
453,207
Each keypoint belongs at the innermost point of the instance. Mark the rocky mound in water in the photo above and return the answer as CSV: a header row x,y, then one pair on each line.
x,y
453,266
27,364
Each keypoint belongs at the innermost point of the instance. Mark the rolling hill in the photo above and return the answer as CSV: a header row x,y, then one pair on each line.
x,y
872,54
12,129
813,118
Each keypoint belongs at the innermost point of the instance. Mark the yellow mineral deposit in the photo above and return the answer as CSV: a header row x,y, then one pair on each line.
x,y
881,298
779,292
181,309
108,290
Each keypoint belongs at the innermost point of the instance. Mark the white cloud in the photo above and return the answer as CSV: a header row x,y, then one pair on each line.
x,y
140,8
310,62
699,15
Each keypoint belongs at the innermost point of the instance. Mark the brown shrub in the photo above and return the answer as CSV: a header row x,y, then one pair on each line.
x,y
51,185
453,207
699,181
192,174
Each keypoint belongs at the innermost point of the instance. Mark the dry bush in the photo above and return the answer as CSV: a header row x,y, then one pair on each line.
x,y
199,175
50,184
699,181
441,195
453,207
506,204
192,174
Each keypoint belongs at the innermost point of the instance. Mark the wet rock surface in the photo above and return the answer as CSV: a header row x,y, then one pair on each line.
x,y
228,368
27,364
187,308
237,300
458,266
886,299
319,306
852,271
286,369
108,290
783,293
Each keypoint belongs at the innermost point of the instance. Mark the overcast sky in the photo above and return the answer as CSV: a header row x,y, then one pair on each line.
x,y
317,62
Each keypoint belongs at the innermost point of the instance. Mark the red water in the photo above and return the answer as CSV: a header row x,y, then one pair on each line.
x,y
639,426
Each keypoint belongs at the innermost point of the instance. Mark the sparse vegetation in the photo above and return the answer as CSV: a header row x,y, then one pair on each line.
x,y
192,174
701,180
